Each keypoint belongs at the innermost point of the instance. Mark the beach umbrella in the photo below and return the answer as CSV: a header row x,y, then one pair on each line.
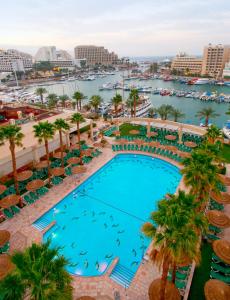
x,y
122,141
87,152
171,148
2,188
59,171
171,292
170,137
34,185
222,198
75,147
134,131
42,164
218,218
4,237
58,155
183,154
10,200
116,132
6,266
216,290
190,144
24,175
222,250
224,179
154,144
73,160
86,298
78,169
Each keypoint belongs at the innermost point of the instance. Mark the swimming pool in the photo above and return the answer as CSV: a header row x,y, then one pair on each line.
x,y
101,219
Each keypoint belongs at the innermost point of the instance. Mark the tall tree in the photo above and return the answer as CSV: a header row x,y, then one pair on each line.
x,y
78,96
60,126
63,99
39,273
52,100
45,131
176,114
12,134
175,229
95,102
77,118
207,113
116,101
133,95
164,111
201,174
40,92
213,134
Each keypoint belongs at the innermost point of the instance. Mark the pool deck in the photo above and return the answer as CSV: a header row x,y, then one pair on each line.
x,y
23,234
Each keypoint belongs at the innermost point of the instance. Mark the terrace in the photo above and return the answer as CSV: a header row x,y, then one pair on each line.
x,y
131,138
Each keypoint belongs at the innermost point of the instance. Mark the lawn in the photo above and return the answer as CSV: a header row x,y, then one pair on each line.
x,y
201,274
126,127
226,152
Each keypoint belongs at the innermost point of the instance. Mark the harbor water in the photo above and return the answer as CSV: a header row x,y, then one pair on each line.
x,y
188,106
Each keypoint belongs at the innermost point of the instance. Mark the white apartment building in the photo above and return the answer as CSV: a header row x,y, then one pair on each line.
x,y
13,60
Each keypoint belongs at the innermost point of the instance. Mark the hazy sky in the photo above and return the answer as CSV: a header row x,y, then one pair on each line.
x,y
128,27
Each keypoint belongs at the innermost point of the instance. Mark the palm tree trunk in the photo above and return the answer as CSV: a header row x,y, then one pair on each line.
x,y
174,273
79,141
42,99
80,104
206,121
134,106
164,279
115,106
48,160
61,145
14,166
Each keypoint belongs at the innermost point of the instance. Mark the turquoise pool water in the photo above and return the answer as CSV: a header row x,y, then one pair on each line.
x,y
102,218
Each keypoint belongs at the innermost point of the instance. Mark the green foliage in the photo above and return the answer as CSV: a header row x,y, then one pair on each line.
x,y
44,131
40,272
213,133
176,114
52,100
61,124
207,113
164,111
95,101
77,118
43,66
12,133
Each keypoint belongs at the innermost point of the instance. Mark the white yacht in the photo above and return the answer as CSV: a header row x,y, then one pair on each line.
x,y
202,81
226,130
142,108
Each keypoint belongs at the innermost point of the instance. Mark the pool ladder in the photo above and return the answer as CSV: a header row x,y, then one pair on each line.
x,y
41,224
122,275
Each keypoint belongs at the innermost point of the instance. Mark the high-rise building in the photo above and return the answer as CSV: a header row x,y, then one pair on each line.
x,y
95,55
185,63
13,60
58,58
214,59
226,71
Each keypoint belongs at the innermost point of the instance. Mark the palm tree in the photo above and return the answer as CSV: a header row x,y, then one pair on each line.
x,y
133,95
45,131
78,96
40,92
116,100
228,112
52,100
207,113
151,112
164,111
213,134
95,101
176,114
201,174
129,104
60,125
176,235
12,134
77,118
39,274
63,99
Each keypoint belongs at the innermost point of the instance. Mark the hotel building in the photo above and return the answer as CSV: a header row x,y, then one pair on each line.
x,y
95,55
226,71
185,63
214,59
12,60
58,58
